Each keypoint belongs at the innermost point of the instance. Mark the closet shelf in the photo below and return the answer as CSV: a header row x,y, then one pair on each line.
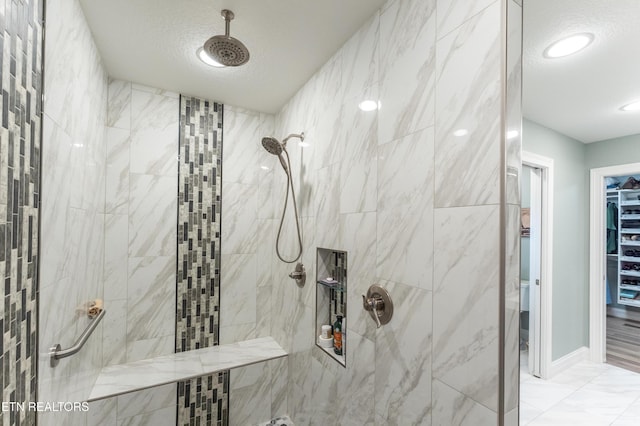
x,y
628,202
629,302
630,287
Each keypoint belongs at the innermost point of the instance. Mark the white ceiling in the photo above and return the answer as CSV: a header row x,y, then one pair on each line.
x,y
153,42
580,95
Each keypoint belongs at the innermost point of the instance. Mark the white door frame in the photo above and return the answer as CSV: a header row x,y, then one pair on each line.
x,y
546,257
535,253
597,250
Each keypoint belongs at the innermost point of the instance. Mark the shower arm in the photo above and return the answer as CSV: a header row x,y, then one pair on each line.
x,y
228,16
293,135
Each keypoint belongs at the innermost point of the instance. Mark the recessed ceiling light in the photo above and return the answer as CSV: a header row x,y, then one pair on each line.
x,y
461,132
568,46
369,105
264,168
202,55
633,106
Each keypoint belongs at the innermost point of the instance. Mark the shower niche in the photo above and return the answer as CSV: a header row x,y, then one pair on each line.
x,y
331,303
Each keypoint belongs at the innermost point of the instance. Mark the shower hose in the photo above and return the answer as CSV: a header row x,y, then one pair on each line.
x,y
284,211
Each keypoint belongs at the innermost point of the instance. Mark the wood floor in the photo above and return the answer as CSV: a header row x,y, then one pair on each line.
x,y
623,343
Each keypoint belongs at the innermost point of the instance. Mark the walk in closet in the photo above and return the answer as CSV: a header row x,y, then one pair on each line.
x,y
623,272
629,247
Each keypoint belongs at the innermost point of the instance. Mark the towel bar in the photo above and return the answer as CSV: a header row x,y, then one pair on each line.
x,y
56,352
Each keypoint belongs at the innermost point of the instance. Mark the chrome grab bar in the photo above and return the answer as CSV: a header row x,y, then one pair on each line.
x,y
56,352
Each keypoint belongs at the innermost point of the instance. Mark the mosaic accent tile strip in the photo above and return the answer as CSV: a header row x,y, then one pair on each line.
x,y
20,137
338,298
204,400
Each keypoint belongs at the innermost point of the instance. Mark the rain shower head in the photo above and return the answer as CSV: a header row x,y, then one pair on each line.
x,y
225,49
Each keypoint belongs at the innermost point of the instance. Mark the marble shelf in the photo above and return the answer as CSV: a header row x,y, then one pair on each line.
x,y
124,378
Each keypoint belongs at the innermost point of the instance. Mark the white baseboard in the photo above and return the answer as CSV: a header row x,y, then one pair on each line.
x,y
623,313
568,361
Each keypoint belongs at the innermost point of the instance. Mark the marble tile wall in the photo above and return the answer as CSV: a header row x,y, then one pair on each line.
x,y
155,406
73,204
249,221
140,238
20,168
140,222
417,209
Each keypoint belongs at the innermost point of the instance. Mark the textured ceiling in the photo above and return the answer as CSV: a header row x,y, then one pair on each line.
x,y
580,95
153,42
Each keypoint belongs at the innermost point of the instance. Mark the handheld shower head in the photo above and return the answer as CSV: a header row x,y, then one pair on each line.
x,y
273,146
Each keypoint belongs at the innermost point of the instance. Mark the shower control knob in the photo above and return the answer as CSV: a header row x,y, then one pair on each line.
x,y
379,304
373,305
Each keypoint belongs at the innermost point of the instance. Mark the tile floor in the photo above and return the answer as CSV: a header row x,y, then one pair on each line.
x,y
587,394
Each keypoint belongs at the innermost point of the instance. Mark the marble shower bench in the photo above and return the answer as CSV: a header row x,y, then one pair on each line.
x,y
134,376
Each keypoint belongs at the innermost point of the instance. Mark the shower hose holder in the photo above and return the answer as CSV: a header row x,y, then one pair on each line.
x,y
299,274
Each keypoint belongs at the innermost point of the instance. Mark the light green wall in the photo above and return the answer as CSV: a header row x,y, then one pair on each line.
x,y
570,327
613,152
572,162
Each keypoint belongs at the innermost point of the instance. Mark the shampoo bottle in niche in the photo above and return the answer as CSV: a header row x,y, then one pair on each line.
x,y
337,336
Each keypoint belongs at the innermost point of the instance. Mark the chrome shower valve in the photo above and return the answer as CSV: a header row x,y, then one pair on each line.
x,y
379,304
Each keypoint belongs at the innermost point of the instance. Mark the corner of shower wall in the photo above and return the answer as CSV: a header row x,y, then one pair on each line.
x,y
73,197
